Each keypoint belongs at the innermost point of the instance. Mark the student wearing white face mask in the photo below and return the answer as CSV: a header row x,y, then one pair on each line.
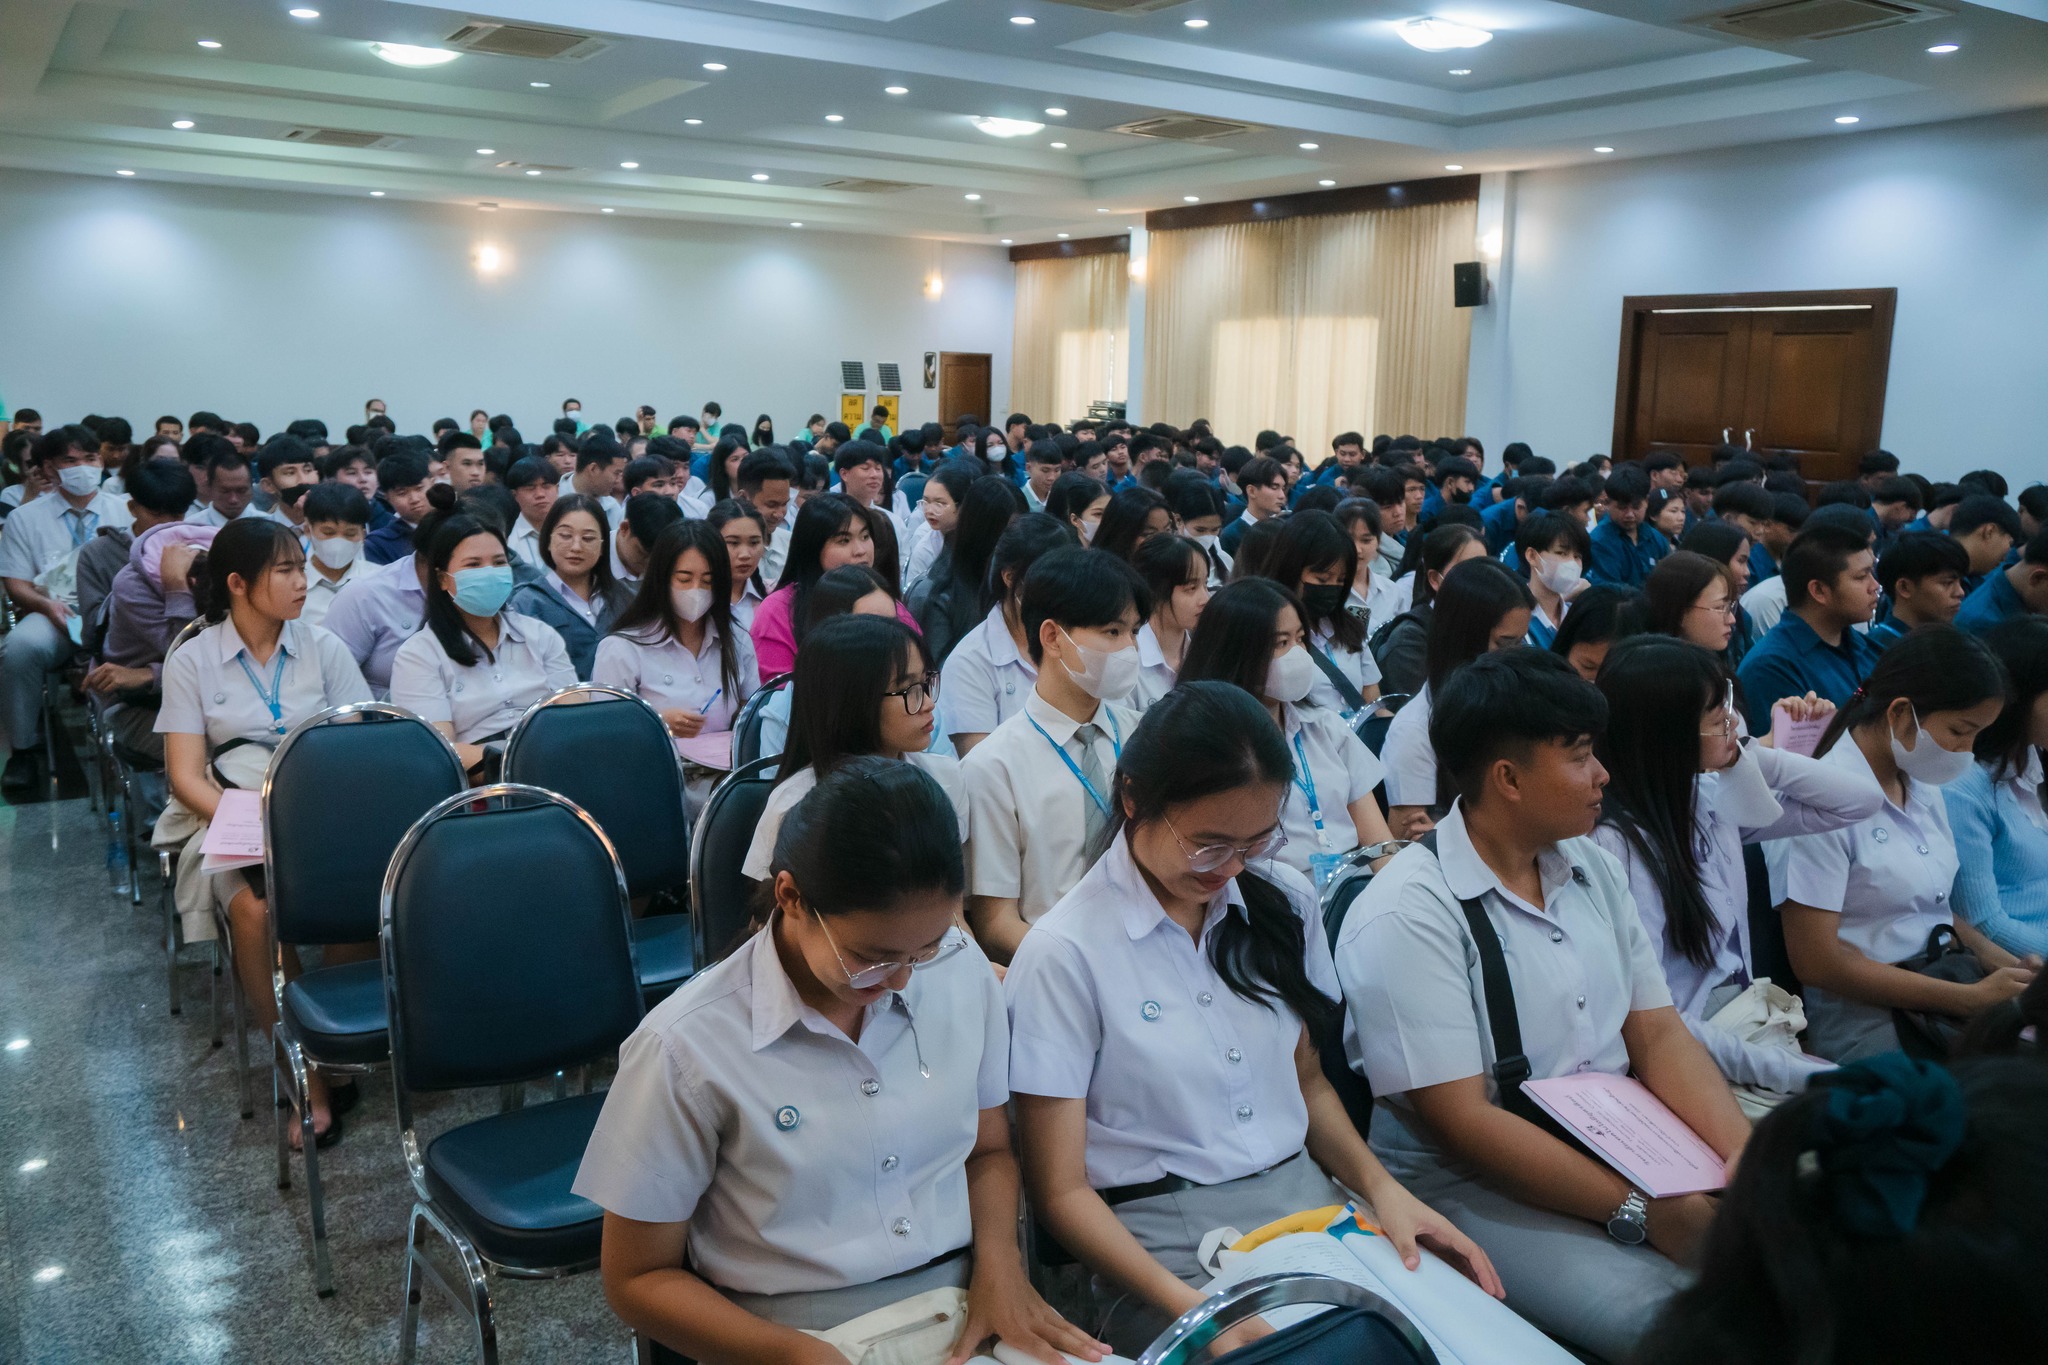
x,y
1198,507
1552,551
1038,785
337,522
1251,634
1863,905
1372,597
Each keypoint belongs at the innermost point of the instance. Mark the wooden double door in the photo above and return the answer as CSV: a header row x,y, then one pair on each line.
x,y
1795,373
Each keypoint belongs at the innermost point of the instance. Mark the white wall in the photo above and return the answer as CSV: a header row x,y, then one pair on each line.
x,y
1953,215
133,298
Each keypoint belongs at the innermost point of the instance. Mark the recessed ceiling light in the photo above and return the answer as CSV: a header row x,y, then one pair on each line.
x,y
17,1044
1311,146
973,196
1603,150
693,122
1008,127
208,43
796,224
487,151
1326,184
405,54
1024,20
1191,199
1066,234
1848,118
540,85
1055,113
304,13
1461,71
1454,166
49,1274
760,175
1102,210
1943,49
34,1164
376,194
533,172
182,124
835,118
1195,23
10,1046
895,89
1008,240
607,210
1440,35
629,165
1059,146
714,66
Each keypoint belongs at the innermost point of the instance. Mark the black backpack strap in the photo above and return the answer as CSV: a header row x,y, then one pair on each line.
x,y
1511,1065
1354,700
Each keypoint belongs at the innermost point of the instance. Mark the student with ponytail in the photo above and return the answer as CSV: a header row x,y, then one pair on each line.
x,y
231,694
1686,789
1863,905
1161,1020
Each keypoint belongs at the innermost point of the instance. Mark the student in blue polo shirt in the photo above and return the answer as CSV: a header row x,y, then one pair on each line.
x,y
1830,589
2009,594
1988,528
1624,548
1922,577
1452,481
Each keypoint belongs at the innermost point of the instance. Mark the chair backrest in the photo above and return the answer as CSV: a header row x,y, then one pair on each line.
x,y
746,731
340,793
1367,1329
612,756
719,892
1352,1088
508,949
1378,716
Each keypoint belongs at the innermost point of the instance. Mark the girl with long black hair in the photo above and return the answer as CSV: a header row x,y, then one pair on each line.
x,y
949,602
1134,515
1177,572
1162,1020
1401,645
1686,789
1317,561
831,530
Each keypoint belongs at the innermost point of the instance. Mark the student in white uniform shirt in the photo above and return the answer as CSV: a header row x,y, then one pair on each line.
x,y
230,481
576,594
815,1127
1042,465
741,527
1078,501
1250,636
1371,598
531,481
1516,731
1039,783
1680,806
1197,510
862,686
337,520
930,560
766,480
474,667
244,681
990,672
1176,573
1316,560
286,472
1163,1019
1861,903
1480,607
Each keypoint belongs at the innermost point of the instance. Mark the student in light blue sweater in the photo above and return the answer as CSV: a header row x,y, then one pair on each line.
x,y
1995,811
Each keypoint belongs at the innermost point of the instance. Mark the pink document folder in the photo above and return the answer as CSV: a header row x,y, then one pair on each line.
x,y
1632,1131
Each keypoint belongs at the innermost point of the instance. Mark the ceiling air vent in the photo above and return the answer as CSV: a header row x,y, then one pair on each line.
x,y
858,186
1120,6
853,376
890,375
1788,21
523,40
341,137
533,166
1183,128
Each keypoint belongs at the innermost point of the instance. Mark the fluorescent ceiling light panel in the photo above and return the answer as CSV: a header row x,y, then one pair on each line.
x,y
1441,35
405,54
1008,127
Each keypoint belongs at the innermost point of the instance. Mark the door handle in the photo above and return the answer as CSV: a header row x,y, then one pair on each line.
x,y
1747,433
1727,435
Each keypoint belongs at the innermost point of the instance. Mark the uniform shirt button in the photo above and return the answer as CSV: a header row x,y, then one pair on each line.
x,y
1923,850
890,1163
219,697
871,1086
901,1227
1557,935
1205,999
1582,1002
1234,1055
497,677
1940,896
1244,1113
667,678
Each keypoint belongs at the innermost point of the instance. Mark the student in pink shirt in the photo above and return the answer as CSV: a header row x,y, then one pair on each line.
x,y
831,531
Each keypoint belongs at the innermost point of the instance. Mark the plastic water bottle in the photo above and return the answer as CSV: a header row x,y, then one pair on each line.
x,y
117,854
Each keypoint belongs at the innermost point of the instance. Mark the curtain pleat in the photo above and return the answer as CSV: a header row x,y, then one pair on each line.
x,y
1072,334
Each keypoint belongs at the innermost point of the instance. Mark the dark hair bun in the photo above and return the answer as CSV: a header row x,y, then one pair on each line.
x,y
441,497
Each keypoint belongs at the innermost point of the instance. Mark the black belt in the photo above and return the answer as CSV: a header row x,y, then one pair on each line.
x,y
1174,1184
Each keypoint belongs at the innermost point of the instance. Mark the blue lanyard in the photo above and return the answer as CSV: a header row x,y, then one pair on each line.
x,y
1116,742
1305,782
274,698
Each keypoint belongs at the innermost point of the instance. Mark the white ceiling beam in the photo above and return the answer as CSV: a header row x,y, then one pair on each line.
x,y
29,34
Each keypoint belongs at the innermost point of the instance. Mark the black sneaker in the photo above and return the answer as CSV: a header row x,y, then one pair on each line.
x,y
21,771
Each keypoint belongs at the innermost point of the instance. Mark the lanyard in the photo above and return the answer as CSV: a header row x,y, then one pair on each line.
x,y
1116,741
274,698
1305,783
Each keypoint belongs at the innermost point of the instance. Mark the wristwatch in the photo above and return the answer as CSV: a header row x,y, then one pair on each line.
x,y
1630,1224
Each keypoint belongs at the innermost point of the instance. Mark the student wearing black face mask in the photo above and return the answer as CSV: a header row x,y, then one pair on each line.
x,y
1316,559
286,473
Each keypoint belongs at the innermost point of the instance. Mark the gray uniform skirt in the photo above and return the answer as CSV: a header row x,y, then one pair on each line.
x,y
823,1309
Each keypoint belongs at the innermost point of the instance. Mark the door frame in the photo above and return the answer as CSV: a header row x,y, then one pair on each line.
x,y
1882,303
939,389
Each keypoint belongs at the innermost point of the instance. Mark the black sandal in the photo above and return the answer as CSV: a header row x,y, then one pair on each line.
x,y
342,1099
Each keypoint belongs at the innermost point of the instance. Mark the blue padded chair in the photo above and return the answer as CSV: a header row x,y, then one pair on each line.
x,y
720,893
746,731
324,879
1364,1329
508,957
612,755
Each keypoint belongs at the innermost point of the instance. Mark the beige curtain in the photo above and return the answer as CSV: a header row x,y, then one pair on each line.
x,y
1311,326
1072,336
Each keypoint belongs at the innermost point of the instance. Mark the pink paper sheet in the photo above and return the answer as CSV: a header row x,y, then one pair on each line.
x,y
235,838
1789,736
1633,1131
712,750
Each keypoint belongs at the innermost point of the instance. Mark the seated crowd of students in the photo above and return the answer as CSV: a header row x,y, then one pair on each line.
x,y
1079,731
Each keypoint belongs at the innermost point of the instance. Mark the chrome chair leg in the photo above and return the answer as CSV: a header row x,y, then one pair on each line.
x,y
409,1321
282,1104
213,991
50,729
170,908
475,1294
288,1066
126,805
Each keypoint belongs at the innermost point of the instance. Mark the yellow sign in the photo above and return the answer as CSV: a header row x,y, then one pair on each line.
x,y
853,409
894,404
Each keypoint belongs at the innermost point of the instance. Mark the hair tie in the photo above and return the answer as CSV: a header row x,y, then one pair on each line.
x,y
1885,1126
1858,695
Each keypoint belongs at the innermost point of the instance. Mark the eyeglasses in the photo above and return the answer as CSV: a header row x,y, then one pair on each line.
x,y
1722,729
874,975
1209,857
1726,609
918,694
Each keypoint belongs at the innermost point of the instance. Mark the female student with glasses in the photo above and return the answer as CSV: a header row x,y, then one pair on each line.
x,y
815,1127
1162,1017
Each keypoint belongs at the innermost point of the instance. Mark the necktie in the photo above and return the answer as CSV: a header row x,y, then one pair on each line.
x,y
81,525
1097,775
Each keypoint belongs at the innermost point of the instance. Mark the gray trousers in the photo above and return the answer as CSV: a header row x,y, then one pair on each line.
x,y
30,650
1847,1030
1567,1277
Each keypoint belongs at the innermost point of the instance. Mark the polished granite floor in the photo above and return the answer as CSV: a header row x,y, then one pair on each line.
x,y
140,1220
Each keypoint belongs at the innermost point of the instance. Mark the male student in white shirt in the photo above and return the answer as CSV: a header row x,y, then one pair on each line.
x,y
337,521
531,482
1584,1254
1042,778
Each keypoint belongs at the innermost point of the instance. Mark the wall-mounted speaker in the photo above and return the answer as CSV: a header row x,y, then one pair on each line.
x,y
1468,284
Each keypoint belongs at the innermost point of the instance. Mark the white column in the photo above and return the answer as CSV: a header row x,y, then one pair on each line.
x,y
1487,413
1134,349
